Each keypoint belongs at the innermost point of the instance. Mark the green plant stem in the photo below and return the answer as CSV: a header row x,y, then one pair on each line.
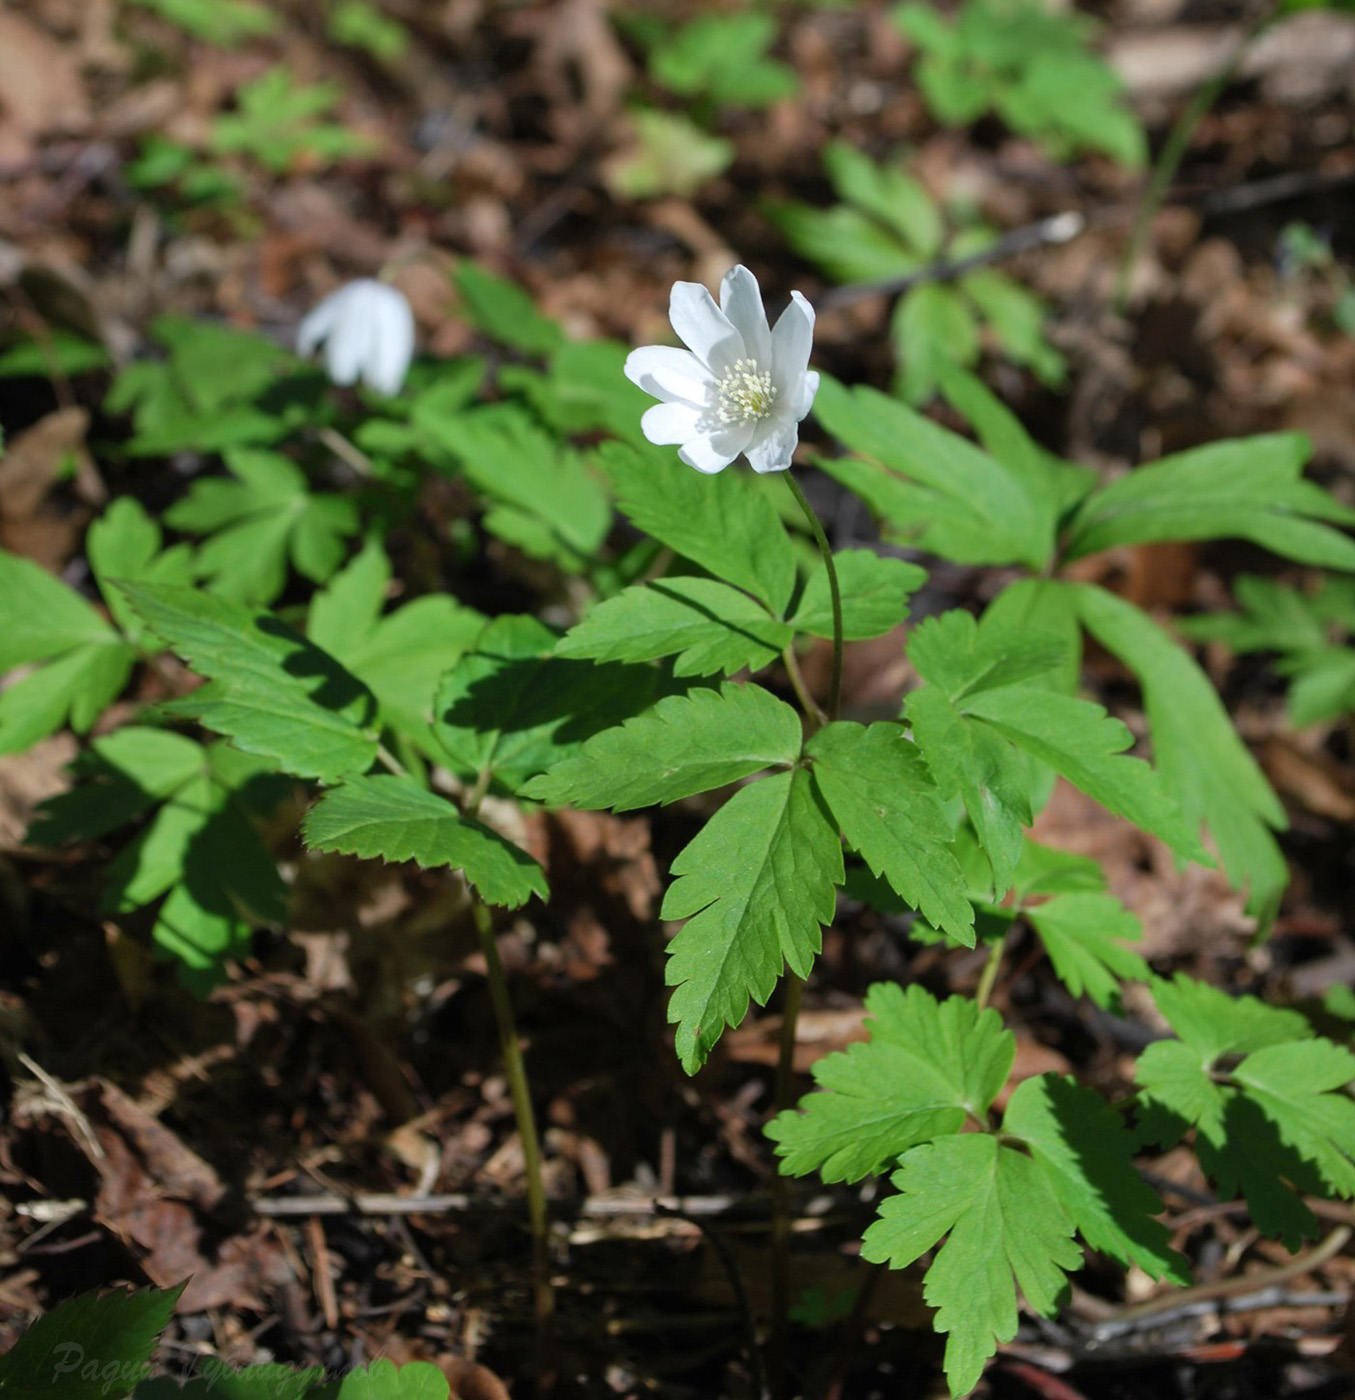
x,y
784,1090
808,704
834,592
989,975
1174,150
516,1071
783,1097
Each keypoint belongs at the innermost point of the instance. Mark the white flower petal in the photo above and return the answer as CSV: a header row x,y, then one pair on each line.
x,y
773,448
367,329
703,328
347,349
809,386
316,326
713,452
669,373
792,340
741,301
669,423
392,345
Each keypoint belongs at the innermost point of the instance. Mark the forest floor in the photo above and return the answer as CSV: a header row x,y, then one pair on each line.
x,y
326,1145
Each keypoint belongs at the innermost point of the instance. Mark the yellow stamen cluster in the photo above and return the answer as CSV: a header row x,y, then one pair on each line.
x,y
745,394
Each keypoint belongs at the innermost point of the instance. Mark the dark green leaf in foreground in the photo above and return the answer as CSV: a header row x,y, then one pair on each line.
x,y
927,1066
1003,1225
684,745
875,592
725,523
90,1348
512,709
707,626
881,793
125,543
1199,754
1088,1159
396,819
755,886
1275,1125
272,693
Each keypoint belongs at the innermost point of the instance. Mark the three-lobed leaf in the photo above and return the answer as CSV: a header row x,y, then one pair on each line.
x,y
927,1066
1003,1225
398,819
880,792
755,885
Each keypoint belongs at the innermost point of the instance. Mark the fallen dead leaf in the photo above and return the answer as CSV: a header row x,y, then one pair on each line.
x,y
40,88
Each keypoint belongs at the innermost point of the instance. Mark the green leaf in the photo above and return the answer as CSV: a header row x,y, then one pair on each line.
x,y
121,775
511,709
384,1380
972,762
880,791
933,329
1084,936
503,311
124,543
226,23
546,499
671,155
1087,1156
1004,1227
272,692
398,819
89,1348
1251,489
1271,617
1270,1126
724,523
847,245
279,120
59,351
1016,317
754,885
88,663
964,734
43,616
258,521
926,1068
724,57
686,744
875,592
889,194
707,626
933,487
964,657
402,656
1200,756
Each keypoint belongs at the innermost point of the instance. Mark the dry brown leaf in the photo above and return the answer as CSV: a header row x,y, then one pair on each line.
x,y
40,88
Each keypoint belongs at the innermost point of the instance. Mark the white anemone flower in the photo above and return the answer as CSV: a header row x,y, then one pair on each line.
x,y
367,330
738,386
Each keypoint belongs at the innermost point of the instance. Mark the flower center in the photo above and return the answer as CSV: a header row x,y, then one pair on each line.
x,y
745,394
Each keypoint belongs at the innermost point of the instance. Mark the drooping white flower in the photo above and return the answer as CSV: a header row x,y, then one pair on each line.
x,y
738,386
367,330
